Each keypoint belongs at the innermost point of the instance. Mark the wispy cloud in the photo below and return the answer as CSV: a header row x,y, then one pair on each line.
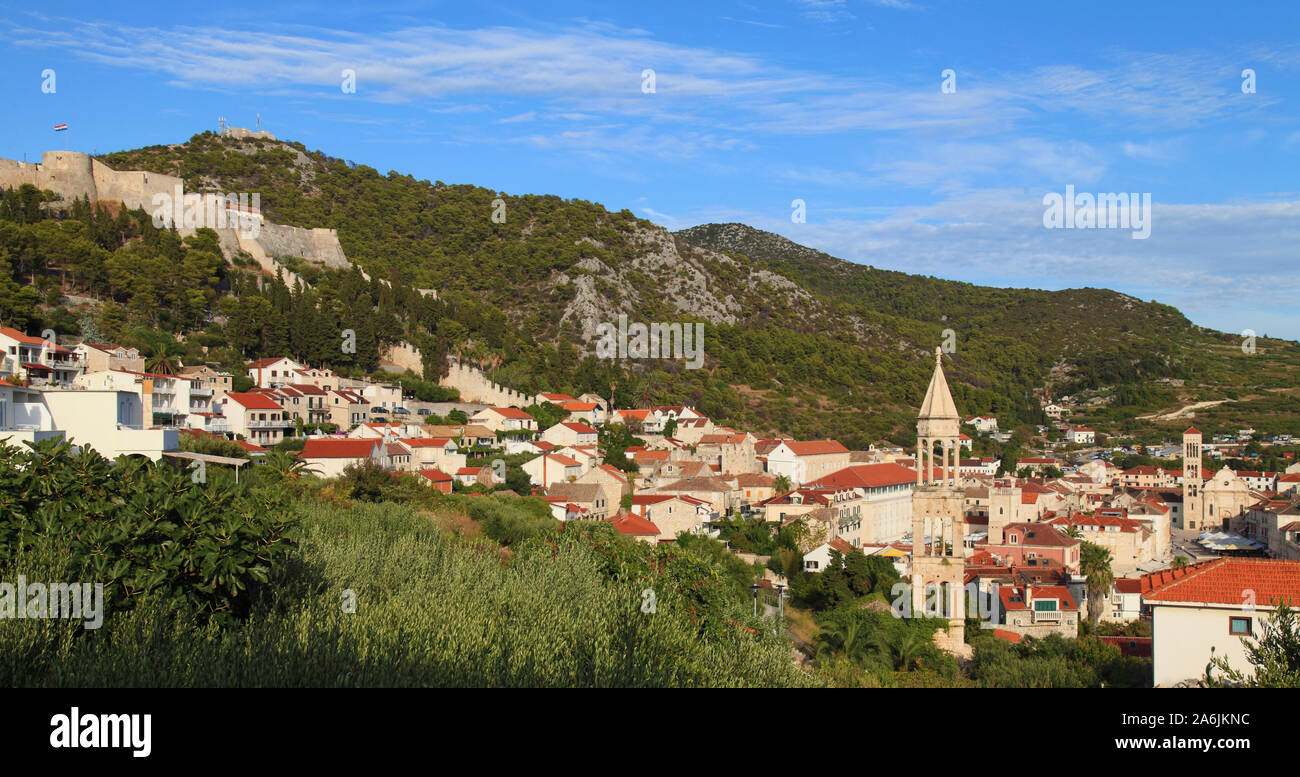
x,y
1204,259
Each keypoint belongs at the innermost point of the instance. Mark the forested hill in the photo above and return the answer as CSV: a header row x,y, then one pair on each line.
x,y
797,341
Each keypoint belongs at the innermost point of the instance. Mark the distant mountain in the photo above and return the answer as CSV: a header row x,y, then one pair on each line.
x,y
797,341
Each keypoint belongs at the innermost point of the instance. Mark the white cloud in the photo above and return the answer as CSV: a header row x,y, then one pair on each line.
x,y
1207,260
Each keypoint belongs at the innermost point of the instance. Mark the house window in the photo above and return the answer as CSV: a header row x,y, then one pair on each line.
x,y
1239,627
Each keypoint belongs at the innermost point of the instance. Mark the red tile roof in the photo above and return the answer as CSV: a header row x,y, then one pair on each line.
x,y
867,476
254,401
425,442
510,412
1013,598
815,447
633,524
1228,581
338,449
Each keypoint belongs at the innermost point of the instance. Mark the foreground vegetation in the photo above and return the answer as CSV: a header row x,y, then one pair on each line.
x,y
365,594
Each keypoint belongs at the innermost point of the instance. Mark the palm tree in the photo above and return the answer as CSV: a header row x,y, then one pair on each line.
x,y
287,465
164,360
1095,564
908,652
838,636
781,484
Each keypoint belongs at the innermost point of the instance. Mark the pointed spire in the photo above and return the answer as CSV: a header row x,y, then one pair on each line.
x,y
938,399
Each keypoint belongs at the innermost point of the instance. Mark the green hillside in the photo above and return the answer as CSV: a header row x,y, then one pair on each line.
x,y
796,341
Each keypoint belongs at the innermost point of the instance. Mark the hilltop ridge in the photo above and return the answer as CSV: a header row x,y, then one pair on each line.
x,y
796,340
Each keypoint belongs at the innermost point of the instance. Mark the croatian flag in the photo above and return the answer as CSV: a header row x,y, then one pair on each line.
x,y
60,127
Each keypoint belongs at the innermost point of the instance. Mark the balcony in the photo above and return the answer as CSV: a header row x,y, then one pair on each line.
x,y
200,392
277,424
1048,616
17,434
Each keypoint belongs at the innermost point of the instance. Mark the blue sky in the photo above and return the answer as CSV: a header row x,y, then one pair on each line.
x,y
834,102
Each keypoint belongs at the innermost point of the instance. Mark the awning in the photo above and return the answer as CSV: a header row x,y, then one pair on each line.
x,y
208,458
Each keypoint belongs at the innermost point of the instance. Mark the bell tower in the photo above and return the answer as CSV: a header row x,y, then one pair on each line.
x,y
938,525
1193,482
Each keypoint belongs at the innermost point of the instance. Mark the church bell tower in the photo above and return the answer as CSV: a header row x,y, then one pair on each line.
x,y
938,524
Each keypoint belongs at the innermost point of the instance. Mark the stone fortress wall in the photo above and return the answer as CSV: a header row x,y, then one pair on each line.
x,y
73,175
474,386
403,355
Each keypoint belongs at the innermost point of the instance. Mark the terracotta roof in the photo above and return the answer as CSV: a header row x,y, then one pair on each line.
x,y
839,544
809,495
815,447
1142,470
867,476
1042,535
338,448
651,499
436,475
1192,430
426,442
1128,585
1013,598
1078,519
1226,581
267,361
509,412
633,524
649,456
579,428
578,407
29,340
254,401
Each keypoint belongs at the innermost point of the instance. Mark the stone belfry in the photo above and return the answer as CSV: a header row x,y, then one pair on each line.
x,y
938,525
1193,482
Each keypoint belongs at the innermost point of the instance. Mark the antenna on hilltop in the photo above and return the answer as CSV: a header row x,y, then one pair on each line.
x,y
259,121
221,121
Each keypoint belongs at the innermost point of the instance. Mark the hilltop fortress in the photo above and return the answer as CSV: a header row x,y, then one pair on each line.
x,y
73,175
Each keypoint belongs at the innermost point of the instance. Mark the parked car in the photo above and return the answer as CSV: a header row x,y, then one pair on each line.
x,y
401,411
422,411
